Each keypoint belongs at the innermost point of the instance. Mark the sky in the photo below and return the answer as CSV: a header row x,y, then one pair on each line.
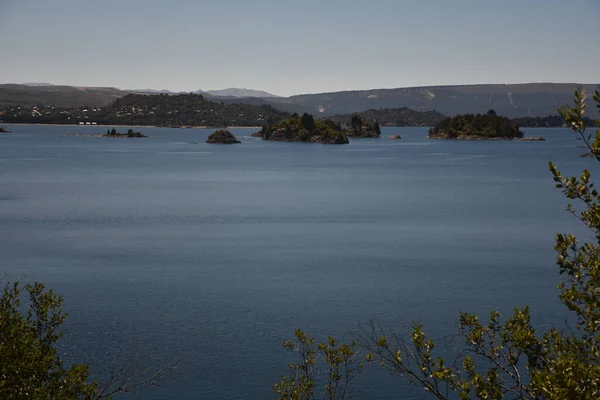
x,y
302,46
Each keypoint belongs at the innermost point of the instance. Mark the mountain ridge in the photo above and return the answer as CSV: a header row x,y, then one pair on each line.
x,y
240,93
513,100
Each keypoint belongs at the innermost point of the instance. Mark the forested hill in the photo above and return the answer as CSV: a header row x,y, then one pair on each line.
x,y
394,117
187,109
516,100
58,96
159,110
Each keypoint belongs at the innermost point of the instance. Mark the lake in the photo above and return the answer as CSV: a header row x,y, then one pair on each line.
x,y
212,255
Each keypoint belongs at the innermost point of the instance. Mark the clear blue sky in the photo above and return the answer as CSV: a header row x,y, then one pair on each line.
x,y
302,46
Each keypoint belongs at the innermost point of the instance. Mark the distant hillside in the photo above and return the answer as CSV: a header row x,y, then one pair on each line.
x,y
514,101
522,100
394,117
150,91
239,93
61,96
37,84
160,110
280,103
41,94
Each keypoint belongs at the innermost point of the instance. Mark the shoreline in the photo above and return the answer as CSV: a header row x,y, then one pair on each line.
x,y
135,126
475,138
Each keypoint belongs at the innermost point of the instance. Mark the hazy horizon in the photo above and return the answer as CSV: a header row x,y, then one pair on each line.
x,y
291,48
40,84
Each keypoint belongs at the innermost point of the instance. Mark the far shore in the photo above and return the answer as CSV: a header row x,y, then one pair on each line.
x,y
139,126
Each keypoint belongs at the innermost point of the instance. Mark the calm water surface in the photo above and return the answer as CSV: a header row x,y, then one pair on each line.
x,y
212,255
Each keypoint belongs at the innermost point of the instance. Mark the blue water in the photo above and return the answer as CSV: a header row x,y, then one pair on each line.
x,y
212,255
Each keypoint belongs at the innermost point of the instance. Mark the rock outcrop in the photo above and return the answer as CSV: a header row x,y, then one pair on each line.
x,y
130,134
222,137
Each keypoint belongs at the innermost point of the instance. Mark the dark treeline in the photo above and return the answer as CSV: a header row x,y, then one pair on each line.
x,y
551,121
394,117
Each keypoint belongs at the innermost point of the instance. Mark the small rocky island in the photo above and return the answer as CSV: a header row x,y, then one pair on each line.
x,y
304,129
223,137
2,130
395,137
360,129
478,127
112,133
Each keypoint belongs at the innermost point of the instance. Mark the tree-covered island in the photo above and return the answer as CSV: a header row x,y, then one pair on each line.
x,y
304,129
478,127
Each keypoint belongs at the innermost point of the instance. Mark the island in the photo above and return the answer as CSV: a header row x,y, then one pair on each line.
x,y
304,129
478,127
222,136
2,130
112,133
395,137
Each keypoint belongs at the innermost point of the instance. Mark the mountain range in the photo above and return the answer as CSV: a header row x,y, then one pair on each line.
x,y
515,100
238,93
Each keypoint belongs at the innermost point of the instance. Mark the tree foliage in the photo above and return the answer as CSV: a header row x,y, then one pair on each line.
x,y
356,121
331,363
308,122
30,367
